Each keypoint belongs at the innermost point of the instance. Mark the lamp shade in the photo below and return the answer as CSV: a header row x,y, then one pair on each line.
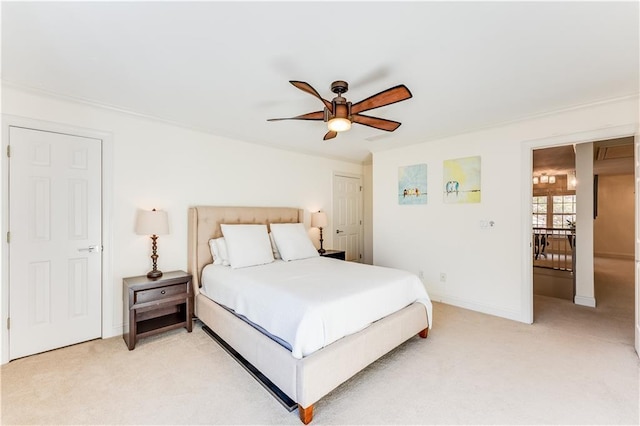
x,y
155,222
318,220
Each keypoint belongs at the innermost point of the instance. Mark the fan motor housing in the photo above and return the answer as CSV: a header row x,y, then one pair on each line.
x,y
339,87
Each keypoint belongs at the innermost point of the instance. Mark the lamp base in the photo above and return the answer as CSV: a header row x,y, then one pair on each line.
x,y
154,274
321,250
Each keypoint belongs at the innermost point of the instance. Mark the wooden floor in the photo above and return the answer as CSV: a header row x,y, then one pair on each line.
x,y
554,261
558,282
553,283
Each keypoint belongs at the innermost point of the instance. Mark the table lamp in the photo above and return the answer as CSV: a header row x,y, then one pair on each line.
x,y
319,220
153,223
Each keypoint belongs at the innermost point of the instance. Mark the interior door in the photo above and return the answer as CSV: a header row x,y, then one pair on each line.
x,y
347,216
55,240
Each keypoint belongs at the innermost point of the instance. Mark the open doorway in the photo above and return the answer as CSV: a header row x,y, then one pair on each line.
x,y
613,234
554,219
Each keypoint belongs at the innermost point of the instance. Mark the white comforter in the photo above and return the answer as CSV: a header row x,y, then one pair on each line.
x,y
311,303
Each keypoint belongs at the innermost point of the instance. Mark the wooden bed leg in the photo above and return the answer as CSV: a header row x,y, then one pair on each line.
x,y
424,333
306,414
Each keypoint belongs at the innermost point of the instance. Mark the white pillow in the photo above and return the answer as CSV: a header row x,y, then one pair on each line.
x,y
218,249
247,245
215,253
222,246
274,247
293,241
222,249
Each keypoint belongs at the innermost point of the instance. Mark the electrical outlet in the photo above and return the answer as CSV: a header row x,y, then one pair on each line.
x,y
421,275
443,277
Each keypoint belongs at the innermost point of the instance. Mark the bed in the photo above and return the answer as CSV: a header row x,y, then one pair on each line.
x,y
304,379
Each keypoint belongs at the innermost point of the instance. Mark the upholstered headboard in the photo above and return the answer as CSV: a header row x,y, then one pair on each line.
x,y
204,224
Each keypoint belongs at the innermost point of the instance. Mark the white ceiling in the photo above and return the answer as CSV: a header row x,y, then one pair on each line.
x,y
223,67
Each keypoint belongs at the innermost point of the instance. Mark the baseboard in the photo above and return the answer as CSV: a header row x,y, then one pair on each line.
x,y
478,307
585,301
623,256
116,330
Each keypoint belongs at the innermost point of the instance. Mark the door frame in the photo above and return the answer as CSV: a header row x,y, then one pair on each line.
x,y
526,165
361,202
108,327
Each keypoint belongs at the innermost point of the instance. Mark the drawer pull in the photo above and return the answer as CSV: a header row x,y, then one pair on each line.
x,y
163,292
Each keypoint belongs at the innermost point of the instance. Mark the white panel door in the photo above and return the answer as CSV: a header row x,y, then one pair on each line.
x,y
347,216
55,261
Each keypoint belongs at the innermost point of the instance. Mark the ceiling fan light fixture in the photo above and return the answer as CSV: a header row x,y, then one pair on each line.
x,y
339,114
339,124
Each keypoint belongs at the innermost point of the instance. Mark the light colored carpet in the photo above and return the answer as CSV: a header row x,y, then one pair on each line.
x,y
575,365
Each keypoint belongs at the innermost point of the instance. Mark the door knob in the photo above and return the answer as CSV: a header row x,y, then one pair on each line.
x,y
90,249
338,231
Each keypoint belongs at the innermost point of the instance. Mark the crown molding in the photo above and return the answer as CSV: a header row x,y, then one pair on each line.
x,y
114,108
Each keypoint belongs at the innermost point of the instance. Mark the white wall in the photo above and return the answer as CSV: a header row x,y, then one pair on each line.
x,y
155,164
611,236
488,270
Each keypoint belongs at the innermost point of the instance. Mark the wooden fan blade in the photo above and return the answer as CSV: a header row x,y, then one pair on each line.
x,y
330,135
386,97
306,87
375,122
318,115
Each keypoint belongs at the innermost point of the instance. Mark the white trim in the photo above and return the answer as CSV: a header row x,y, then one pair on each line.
x,y
500,124
478,307
91,102
527,148
97,104
159,119
585,301
368,160
109,326
526,305
604,133
4,256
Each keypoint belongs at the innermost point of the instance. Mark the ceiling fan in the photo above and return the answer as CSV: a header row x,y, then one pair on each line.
x,y
339,113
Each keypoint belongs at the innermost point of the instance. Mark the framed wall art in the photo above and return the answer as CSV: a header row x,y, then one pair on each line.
x,y
412,184
462,180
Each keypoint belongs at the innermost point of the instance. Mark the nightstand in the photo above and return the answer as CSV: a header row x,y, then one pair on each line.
x,y
156,305
336,254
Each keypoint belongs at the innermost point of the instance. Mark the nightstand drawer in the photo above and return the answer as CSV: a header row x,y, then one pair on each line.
x,y
160,293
